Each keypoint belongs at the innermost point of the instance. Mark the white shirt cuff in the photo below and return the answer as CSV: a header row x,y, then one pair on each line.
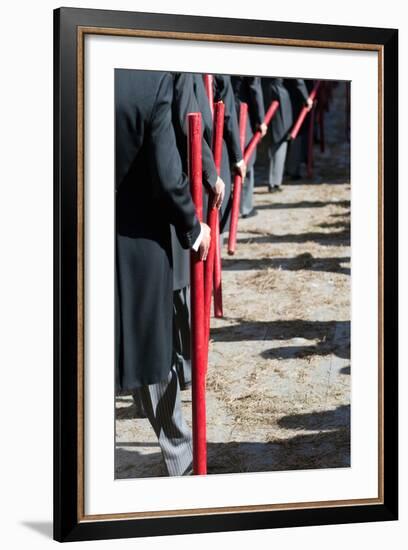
x,y
198,240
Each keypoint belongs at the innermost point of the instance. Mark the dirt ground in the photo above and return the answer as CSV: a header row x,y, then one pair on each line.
x,y
278,386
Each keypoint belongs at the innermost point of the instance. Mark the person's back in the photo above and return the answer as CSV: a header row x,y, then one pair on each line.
x,y
151,189
248,89
135,94
279,127
151,192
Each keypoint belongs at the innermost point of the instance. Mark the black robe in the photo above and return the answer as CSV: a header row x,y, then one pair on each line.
x,y
185,101
231,150
282,121
248,89
304,130
152,192
298,94
208,126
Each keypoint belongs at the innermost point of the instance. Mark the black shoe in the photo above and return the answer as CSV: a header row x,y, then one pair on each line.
x,y
188,471
250,214
139,409
275,189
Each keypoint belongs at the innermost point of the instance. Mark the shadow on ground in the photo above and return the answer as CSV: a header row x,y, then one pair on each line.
x,y
338,238
333,336
345,370
327,447
302,204
302,262
327,420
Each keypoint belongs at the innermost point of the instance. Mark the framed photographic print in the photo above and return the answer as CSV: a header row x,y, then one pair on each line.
x,y
225,238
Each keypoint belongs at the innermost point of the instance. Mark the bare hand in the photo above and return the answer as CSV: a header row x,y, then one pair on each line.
x,y
309,103
219,193
205,241
263,129
240,168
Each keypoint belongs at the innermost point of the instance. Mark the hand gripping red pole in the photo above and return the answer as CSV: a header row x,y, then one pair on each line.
x,y
212,215
198,336
236,195
303,113
256,138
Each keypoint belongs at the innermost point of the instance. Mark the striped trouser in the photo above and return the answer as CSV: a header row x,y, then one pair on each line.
x,y
162,405
246,204
182,335
277,155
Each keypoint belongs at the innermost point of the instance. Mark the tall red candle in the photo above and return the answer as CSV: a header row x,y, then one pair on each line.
x,y
236,196
198,336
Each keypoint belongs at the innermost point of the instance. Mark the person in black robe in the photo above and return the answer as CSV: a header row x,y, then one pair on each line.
x,y
299,97
152,192
304,131
187,98
232,157
279,127
248,89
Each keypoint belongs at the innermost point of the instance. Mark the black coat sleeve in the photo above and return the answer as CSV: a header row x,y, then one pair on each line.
x,y
166,167
301,87
223,92
209,170
184,102
256,101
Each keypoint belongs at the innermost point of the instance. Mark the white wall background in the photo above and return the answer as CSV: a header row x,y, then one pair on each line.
x,y
26,272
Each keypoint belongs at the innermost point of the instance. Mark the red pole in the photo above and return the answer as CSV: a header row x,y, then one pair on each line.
x,y
211,221
216,275
212,215
218,309
208,85
236,196
310,143
256,138
303,113
198,336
